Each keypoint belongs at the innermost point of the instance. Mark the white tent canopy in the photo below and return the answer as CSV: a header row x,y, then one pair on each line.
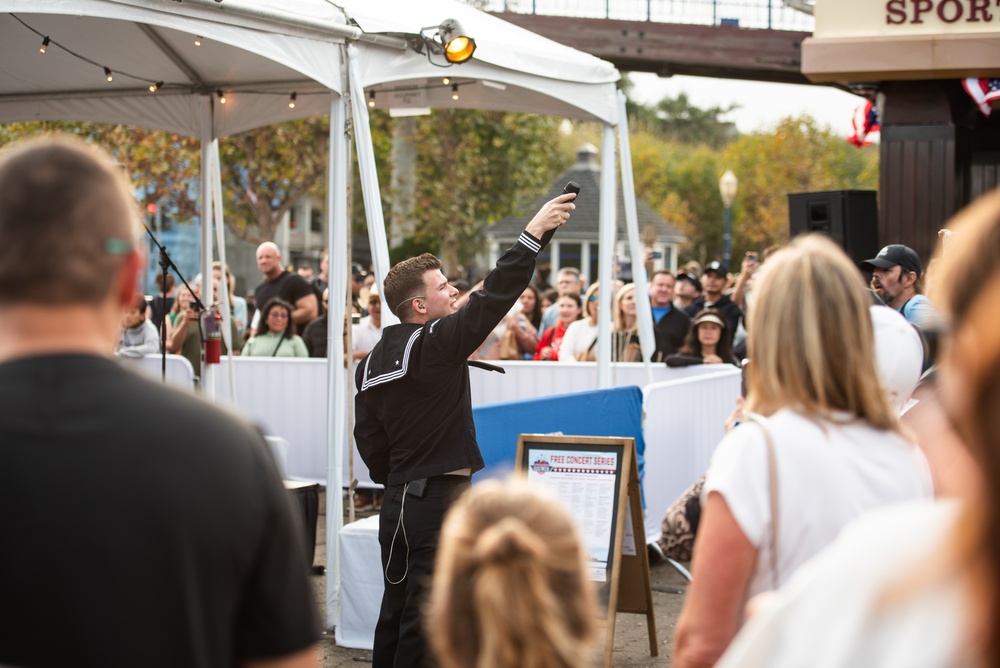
x,y
258,63
541,76
258,52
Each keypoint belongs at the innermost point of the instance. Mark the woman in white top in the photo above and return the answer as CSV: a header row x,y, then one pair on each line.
x,y
580,342
917,584
814,388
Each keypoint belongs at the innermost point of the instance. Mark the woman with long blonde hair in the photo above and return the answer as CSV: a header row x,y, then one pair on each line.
x,y
820,445
930,595
510,587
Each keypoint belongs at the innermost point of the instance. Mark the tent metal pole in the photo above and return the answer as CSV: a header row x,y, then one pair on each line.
x,y
207,132
336,409
644,316
369,180
609,197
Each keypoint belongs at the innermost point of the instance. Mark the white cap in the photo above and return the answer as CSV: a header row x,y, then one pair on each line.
x,y
899,354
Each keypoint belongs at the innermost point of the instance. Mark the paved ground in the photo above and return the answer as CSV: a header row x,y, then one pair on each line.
x,y
631,638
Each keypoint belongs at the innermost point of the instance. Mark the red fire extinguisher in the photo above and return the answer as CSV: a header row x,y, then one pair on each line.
x,y
211,326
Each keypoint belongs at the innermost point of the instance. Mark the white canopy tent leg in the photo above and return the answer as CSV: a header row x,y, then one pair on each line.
x,y
220,239
644,316
336,410
369,181
207,132
606,250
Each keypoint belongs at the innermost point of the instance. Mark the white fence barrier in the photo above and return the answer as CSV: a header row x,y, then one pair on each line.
x,y
685,410
683,422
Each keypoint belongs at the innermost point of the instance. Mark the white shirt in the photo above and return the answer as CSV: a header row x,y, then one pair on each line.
x,y
579,336
867,601
828,474
365,335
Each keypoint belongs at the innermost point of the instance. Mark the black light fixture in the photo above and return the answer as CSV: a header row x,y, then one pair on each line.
x,y
153,87
458,47
107,73
222,95
454,91
291,100
371,99
447,39
45,43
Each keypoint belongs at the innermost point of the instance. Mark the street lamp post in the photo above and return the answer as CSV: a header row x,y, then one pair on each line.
x,y
727,188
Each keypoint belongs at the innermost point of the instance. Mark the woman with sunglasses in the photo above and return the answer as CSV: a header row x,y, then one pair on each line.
x,y
276,336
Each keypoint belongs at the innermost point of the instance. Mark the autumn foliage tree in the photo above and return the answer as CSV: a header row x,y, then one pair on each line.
x,y
475,167
680,179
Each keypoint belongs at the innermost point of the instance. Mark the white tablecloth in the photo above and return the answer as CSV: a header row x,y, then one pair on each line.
x,y
360,583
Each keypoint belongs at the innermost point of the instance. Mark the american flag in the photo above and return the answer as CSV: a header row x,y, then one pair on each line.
x,y
982,92
865,122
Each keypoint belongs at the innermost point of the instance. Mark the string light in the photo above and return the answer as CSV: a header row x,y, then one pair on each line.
x,y
446,81
197,40
222,96
48,41
371,99
454,91
291,100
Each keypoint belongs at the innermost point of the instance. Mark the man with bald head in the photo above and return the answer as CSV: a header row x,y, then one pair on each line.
x,y
279,282
165,543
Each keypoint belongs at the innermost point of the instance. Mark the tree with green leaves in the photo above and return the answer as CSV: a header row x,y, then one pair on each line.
x,y
472,169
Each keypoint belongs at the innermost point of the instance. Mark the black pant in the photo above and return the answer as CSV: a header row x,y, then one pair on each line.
x,y
399,639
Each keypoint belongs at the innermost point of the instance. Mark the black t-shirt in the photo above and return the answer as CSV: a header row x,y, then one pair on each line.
x,y
290,287
141,526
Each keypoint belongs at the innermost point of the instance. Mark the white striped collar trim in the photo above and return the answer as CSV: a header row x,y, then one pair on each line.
x,y
395,374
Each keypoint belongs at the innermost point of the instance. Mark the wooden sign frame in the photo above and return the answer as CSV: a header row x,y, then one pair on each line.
x,y
581,465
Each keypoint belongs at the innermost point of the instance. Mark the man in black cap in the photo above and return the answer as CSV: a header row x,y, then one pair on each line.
x,y
896,273
686,290
713,282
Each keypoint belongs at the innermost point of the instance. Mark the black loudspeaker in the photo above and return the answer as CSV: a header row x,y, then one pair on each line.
x,y
849,217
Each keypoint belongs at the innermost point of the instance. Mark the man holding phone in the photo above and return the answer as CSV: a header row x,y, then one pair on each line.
x,y
414,425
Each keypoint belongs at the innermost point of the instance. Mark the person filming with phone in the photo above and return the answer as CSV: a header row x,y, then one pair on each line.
x,y
414,425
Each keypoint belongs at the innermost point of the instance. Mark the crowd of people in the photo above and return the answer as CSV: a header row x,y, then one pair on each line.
x,y
848,517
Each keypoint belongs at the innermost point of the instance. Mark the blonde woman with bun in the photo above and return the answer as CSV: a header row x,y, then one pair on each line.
x,y
510,587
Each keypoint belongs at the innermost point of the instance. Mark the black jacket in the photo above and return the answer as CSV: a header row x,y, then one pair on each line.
x,y
413,413
726,307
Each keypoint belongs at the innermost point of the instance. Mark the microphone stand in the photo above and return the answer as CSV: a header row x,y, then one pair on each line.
x,y
166,264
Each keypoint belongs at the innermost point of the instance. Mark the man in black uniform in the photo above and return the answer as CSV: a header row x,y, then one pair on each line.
x,y
161,534
279,282
414,425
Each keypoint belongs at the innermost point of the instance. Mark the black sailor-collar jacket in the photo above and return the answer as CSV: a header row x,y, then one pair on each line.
x,y
413,413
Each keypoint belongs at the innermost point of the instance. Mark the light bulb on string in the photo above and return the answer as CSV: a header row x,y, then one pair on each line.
x,y
291,100
45,43
222,96
197,40
454,91
107,73
446,81
371,100
153,87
